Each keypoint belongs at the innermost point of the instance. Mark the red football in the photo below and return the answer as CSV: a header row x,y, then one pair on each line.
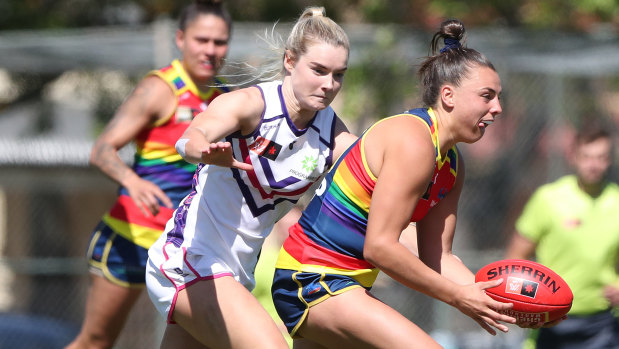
x,y
538,293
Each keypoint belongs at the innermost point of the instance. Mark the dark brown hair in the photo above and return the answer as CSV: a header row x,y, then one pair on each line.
x,y
591,131
450,64
204,7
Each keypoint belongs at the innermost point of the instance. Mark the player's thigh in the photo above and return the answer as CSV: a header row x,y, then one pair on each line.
x,y
176,337
222,313
108,304
356,319
304,343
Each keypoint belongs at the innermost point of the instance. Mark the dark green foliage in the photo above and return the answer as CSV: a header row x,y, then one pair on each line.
x,y
573,14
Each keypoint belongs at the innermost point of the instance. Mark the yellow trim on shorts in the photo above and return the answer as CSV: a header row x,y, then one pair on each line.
x,y
91,246
102,266
365,277
316,301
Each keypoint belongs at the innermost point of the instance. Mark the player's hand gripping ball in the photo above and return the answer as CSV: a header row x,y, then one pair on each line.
x,y
538,293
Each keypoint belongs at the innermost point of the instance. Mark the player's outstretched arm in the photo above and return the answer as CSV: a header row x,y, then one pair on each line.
x,y
237,111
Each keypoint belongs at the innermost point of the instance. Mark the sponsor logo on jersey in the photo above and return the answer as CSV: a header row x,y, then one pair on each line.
x,y
309,164
571,223
272,151
302,175
265,148
184,114
185,95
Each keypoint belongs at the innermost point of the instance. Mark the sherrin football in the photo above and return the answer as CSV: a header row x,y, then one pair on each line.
x,y
538,293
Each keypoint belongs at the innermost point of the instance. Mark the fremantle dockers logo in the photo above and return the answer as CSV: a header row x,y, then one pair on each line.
x,y
521,286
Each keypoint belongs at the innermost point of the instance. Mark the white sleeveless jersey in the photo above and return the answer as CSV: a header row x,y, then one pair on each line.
x,y
223,222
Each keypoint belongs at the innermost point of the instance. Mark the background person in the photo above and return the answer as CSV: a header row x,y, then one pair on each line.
x,y
259,149
404,168
154,116
570,226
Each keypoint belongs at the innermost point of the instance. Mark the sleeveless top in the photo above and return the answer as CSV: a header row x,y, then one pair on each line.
x,y
330,234
230,212
156,159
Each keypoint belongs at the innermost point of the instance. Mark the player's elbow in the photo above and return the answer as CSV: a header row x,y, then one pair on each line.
x,y
375,252
94,158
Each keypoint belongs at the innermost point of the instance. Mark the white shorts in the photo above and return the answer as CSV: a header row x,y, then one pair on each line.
x,y
171,269
209,240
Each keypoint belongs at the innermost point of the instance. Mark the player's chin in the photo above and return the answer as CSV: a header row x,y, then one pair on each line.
x,y
207,74
319,105
474,137
206,70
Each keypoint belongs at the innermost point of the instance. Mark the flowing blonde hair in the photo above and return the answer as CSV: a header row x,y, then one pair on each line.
x,y
313,26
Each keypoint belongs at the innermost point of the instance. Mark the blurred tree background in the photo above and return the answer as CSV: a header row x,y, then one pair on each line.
x,y
586,17
66,65
571,15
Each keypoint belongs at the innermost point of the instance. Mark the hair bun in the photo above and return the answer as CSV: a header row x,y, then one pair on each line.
x,y
318,11
453,28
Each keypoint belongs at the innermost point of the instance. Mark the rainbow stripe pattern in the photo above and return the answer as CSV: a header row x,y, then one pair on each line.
x,y
330,234
156,159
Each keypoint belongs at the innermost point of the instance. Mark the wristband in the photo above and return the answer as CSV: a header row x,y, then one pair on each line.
x,y
180,147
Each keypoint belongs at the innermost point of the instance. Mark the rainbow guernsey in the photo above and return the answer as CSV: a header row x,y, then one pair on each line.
x,y
330,235
156,159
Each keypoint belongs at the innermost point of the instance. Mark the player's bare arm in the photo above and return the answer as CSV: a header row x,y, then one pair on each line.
x,y
436,234
151,100
343,139
237,111
435,237
392,152
140,109
520,247
396,193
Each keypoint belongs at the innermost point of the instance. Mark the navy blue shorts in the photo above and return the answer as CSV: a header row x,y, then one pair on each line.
x,y
597,331
294,292
115,258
